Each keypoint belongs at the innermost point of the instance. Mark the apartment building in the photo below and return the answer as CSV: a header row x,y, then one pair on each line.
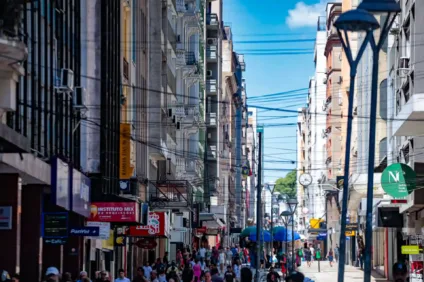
x,y
252,152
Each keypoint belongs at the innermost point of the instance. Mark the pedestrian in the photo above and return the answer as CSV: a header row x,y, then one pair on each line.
x,y
67,277
165,259
295,277
400,272
5,277
336,253
237,268
229,275
202,252
188,274
121,276
221,261
330,257
208,277
82,276
154,276
229,257
162,276
15,277
311,247
246,275
173,271
308,256
272,275
140,275
197,269
147,270
103,277
52,274
179,258
215,276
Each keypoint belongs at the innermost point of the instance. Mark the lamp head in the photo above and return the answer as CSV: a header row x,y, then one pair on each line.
x,y
356,20
292,203
380,6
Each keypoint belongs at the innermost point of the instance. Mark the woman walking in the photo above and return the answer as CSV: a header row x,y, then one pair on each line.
x,y
330,257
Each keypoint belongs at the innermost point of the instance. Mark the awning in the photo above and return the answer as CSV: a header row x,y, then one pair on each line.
x,y
210,220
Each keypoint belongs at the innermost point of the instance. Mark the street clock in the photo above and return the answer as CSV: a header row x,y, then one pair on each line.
x,y
305,179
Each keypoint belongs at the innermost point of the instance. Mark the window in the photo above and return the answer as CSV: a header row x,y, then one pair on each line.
x,y
383,99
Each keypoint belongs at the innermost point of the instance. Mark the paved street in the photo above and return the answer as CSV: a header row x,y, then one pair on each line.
x,y
329,274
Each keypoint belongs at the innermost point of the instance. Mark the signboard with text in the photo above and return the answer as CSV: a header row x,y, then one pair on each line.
x,y
157,226
60,183
55,225
92,231
5,217
398,180
80,193
104,229
115,212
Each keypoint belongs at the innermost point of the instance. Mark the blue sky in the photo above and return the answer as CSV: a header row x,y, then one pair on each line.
x,y
266,20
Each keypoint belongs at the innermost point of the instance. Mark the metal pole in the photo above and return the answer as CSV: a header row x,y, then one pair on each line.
x,y
353,69
259,210
287,248
293,255
272,226
371,145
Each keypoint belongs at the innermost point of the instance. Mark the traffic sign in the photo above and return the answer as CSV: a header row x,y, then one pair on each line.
x,y
92,231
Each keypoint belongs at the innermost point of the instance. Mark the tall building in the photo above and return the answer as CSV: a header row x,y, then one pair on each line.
x,y
252,148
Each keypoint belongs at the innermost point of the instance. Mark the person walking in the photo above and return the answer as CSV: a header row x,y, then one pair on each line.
x,y
188,274
308,256
197,269
229,276
52,274
330,257
229,257
311,247
121,276
336,253
139,276
147,270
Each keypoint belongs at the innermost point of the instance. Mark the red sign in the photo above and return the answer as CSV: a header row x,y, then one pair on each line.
x,y
147,243
157,225
115,212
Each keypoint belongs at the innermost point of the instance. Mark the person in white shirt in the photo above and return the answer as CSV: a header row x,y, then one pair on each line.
x,y
202,252
121,277
312,252
147,270
229,257
153,276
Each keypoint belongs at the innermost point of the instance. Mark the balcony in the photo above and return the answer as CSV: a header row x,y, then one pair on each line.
x,y
212,21
408,121
189,114
170,77
211,119
212,54
13,50
211,87
172,38
212,153
171,194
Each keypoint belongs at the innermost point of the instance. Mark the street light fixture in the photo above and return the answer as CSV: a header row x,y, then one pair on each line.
x,y
351,21
286,216
389,8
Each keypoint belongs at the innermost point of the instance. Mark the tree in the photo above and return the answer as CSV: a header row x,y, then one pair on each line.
x,y
287,185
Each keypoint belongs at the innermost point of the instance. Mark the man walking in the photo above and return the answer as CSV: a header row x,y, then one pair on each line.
x,y
336,253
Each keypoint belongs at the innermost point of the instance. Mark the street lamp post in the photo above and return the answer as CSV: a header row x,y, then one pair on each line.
x,y
271,188
351,21
292,203
389,8
286,215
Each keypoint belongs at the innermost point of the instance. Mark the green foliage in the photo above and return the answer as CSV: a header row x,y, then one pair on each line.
x,y
287,185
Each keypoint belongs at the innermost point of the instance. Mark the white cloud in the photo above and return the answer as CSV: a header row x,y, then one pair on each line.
x,y
304,15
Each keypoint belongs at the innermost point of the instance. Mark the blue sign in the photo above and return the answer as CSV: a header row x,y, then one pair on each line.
x,y
81,186
61,183
92,231
60,241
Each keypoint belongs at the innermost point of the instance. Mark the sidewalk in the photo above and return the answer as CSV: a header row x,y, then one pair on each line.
x,y
329,274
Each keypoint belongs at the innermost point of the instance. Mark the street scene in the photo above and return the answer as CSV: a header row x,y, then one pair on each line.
x,y
211,140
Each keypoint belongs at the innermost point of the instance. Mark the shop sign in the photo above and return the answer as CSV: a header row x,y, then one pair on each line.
x,y
195,215
201,230
416,268
125,171
104,229
339,182
115,212
157,226
352,226
54,227
81,185
92,231
147,243
350,233
398,180
5,218
410,250
120,240
61,183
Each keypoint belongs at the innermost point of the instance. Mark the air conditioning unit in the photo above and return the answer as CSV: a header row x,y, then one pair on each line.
x,y
66,83
212,41
324,80
169,112
340,79
79,98
403,64
209,73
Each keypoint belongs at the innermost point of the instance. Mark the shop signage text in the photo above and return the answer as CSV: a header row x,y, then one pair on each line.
x,y
60,182
398,180
85,231
115,212
157,226
5,218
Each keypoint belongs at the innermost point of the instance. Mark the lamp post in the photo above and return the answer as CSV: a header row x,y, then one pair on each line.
x,y
286,215
351,21
292,203
271,188
389,9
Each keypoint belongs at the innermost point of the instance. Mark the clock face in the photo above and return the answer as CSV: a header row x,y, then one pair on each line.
x,y
305,179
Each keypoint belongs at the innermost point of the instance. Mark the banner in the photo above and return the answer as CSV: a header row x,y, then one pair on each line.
x,y
125,170
195,216
115,212
157,226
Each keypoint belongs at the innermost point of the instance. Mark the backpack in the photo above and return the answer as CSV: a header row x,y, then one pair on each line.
x,y
300,253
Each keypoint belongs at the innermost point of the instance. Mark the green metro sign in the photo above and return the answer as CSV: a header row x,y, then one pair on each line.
x,y
398,180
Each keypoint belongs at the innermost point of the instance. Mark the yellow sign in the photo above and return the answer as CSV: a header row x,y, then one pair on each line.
x,y
314,223
125,170
350,233
108,244
410,250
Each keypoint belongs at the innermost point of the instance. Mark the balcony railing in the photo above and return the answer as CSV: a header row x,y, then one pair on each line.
x,y
211,53
212,20
191,58
171,194
212,152
211,119
211,87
